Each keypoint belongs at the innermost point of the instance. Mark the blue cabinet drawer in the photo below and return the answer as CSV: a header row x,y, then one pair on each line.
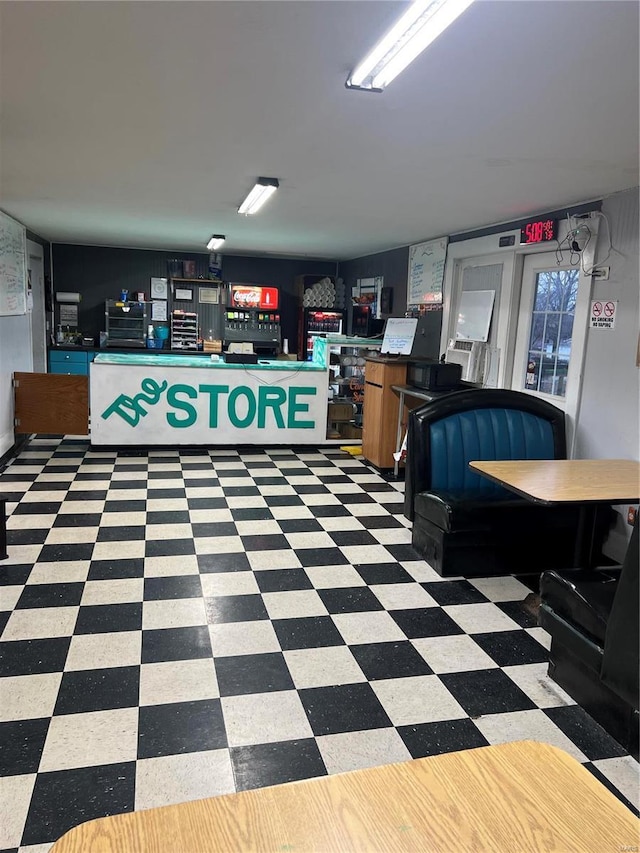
x,y
72,368
65,357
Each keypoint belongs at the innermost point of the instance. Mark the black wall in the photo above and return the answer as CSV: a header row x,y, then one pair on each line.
x,y
100,273
393,265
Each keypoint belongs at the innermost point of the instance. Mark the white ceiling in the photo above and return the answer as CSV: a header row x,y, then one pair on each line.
x,y
145,123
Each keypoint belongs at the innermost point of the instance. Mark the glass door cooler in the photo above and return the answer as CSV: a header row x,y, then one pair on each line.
x,y
314,323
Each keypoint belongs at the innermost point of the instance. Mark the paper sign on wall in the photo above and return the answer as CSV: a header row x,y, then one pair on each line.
x,y
603,314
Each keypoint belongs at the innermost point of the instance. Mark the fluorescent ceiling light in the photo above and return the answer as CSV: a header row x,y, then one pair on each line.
x,y
263,190
215,242
421,24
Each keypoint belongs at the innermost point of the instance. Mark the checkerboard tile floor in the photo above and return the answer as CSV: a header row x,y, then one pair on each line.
x,y
181,624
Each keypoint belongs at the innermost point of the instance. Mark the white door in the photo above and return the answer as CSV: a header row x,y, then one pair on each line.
x,y
551,332
35,280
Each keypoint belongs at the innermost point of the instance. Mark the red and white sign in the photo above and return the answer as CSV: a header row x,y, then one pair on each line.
x,y
254,296
603,314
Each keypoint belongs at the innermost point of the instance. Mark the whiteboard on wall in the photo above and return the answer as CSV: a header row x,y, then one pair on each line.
x,y
474,315
13,275
426,272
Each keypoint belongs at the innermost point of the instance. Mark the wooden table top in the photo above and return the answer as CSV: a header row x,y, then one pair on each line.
x,y
567,480
521,796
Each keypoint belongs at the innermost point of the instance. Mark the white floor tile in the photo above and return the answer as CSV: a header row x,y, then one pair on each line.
x,y
265,718
176,613
25,697
377,627
402,596
102,651
453,654
182,778
86,740
228,583
243,638
480,618
323,667
418,699
177,681
501,589
526,725
296,603
343,753
15,796
539,687
113,591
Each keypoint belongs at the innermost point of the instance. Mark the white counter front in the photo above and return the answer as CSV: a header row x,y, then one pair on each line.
x,y
146,400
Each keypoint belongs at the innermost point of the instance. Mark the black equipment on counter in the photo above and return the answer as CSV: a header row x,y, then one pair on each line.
x,y
434,375
252,316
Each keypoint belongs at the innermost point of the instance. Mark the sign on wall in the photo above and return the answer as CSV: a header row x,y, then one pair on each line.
x,y
146,405
603,314
13,273
426,272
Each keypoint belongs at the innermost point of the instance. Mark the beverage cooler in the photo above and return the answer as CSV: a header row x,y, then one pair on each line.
x,y
253,316
314,323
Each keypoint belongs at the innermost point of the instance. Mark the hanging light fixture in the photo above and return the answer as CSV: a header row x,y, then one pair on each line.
x,y
421,24
263,190
215,242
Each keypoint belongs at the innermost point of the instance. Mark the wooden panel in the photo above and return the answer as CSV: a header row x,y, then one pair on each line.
x,y
380,425
372,423
567,480
52,403
374,372
521,796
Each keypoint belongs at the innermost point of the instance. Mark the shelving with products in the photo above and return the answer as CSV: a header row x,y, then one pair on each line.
x,y
346,385
184,330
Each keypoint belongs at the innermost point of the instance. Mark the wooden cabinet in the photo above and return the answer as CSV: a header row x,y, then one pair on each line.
x,y
380,421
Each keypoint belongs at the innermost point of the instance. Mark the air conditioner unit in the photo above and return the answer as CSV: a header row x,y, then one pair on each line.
x,y
470,355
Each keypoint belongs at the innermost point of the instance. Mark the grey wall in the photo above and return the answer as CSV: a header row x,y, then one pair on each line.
x,y
608,423
393,265
99,273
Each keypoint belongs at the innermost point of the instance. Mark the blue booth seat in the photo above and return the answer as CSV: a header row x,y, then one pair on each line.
x,y
463,523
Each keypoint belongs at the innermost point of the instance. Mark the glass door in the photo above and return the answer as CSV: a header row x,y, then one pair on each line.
x,y
551,332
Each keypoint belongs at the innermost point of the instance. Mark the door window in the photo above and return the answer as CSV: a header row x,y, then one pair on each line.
x,y
551,331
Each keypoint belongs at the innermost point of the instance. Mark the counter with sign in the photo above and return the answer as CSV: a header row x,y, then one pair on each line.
x,y
147,400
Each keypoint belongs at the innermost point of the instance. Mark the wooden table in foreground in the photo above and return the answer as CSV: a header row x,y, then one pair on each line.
x,y
522,796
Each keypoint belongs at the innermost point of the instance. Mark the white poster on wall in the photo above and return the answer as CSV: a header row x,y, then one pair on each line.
x,y
426,271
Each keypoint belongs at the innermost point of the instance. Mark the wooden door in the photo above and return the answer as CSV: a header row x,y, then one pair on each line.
x,y
51,403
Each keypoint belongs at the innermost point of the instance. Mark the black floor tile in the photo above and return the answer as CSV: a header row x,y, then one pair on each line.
x,y
176,516
169,547
299,525
64,553
165,644
265,542
487,691
402,553
21,745
234,562
121,534
235,608
206,503
425,622
256,513
344,708
389,660
98,690
515,610
65,798
588,736
107,618
50,595
125,506
355,498
163,494
180,727
454,592
4,618
242,674
329,511
80,519
84,475
240,491
275,763
175,586
81,497
14,575
282,580
352,537
50,487
349,600
307,632
321,557
214,528
379,522
35,508
29,657
271,481
512,648
444,736
106,570
331,478
27,537
376,573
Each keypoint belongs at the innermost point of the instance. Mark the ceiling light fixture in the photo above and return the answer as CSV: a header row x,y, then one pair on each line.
x,y
263,190
421,24
215,242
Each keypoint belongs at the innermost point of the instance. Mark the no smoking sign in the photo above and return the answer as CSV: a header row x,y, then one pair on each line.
x,y
603,314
